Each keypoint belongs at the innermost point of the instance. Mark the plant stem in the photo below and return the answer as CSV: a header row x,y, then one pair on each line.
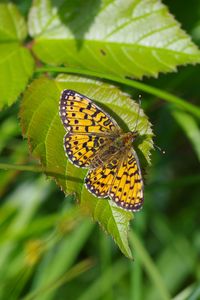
x,y
38,169
181,103
31,168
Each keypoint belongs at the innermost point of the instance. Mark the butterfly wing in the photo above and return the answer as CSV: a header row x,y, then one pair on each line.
x,y
127,186
99,180
80,114
82,149
89,127
120,179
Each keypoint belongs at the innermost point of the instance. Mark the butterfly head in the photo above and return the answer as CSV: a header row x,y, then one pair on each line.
x,y
134,134
129,137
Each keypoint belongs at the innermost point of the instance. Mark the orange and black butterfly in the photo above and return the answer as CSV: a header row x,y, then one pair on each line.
x,y
95,141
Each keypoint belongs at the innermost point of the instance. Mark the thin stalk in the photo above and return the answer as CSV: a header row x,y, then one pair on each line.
x,y
37,169
181,103
14,167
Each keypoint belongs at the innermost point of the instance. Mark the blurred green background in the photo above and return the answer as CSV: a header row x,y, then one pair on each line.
x,y
48,251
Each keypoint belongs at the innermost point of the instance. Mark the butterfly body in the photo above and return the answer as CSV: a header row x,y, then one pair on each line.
x,y
126,139
95,141
117,146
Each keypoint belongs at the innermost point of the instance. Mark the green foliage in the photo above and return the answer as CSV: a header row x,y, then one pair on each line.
x,y
127,38
19,221
16,63
49,247
190,126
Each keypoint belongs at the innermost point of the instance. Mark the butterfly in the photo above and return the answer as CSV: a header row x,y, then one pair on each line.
x,y
95,141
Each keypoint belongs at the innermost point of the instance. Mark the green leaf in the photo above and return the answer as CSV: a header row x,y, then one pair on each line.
x,y
16,62
125,38
42,126
16,67
190,127
106,280
150,267
56,259
12,24
110,217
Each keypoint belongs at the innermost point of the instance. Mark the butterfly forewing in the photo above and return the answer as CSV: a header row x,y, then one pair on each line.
x,y
89,128
80,115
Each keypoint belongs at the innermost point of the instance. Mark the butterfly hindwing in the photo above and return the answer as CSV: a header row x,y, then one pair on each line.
x,y
82,149
127,186
120,179
99,180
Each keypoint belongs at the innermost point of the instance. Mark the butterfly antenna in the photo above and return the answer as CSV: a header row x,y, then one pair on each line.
x,y
137,120
138,113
